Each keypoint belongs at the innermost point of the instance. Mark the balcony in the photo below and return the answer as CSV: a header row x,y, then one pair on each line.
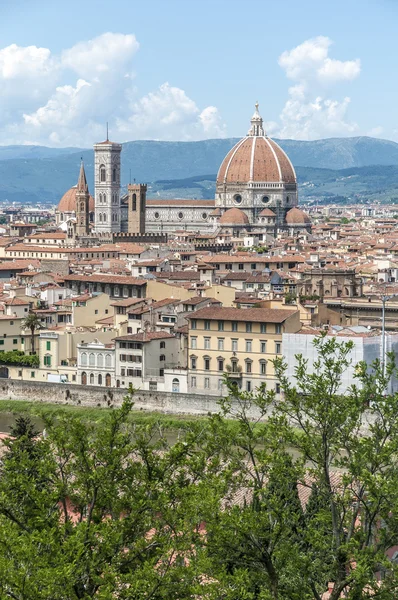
x,y
234,371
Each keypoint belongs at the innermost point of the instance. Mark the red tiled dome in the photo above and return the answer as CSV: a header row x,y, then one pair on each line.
x,y
68,201
296,216
258,159
267,212
234,216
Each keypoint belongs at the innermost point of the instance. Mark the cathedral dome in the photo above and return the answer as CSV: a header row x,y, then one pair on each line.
x,y
256,158
296,216
234,216
68,201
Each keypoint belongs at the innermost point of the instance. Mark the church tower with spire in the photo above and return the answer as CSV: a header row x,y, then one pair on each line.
x,y
82,204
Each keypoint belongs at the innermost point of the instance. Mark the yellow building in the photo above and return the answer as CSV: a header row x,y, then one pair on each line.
x,y
240,342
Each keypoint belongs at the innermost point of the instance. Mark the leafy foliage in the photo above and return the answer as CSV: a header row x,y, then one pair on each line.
x,y
19,358
296,498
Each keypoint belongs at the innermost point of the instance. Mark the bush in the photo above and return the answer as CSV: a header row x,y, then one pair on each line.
x,y
18,358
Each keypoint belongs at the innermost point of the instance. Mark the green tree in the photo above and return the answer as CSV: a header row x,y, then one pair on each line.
x,y
32,321
313,482
103,510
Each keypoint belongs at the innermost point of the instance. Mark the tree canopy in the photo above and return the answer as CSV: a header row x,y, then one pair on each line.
x,y
265,500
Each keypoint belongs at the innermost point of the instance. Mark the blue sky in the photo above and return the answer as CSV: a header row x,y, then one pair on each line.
x,y
182,70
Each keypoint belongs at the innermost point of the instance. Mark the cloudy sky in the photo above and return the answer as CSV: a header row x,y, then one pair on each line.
x,y
193,69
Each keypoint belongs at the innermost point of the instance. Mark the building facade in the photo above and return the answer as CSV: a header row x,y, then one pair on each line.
x,y
96,364
239,342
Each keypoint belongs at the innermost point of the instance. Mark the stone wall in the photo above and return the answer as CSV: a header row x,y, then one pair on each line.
x,y
61,267
165,402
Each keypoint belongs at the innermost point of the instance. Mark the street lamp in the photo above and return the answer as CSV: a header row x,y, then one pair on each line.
x,y
384,299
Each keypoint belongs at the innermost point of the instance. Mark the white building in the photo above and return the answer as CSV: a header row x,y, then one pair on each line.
x,y
366,347
141,359
96,364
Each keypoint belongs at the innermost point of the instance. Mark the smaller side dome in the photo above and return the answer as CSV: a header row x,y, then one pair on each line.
x,y
68,201
234,216
296,216
267,212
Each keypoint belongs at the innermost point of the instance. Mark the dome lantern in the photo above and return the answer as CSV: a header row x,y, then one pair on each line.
x,y
256,128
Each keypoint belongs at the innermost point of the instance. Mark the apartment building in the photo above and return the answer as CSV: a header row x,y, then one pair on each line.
x,y
142,358
240,342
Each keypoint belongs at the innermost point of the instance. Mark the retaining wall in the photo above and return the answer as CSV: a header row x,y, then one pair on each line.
x,y
166,402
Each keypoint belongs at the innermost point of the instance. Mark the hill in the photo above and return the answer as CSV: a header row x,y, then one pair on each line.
x,y
37,174
359,184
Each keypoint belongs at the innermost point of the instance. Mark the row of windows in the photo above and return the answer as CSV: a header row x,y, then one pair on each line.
x,y
234,326
131,345
14,341
220,384
37,254
131,372
234,345
103,218
100,379
235,368
180,215
253,266
130,358
90,359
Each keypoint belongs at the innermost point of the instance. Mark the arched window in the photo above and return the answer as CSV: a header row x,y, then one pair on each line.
x,y
114,175
162,357
163,344
99,379
91,378
176,385
82,207
100,216
108,360
84,378
91,359
107,380
134,207
84,359
100,360
102,173
104,217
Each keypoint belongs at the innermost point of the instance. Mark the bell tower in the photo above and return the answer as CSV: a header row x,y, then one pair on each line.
x,y
107,186
136,207
82,204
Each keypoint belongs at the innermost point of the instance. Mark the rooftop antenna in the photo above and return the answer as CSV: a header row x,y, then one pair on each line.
x,y
107,132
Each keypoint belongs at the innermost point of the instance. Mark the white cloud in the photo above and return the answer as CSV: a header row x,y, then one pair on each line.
x,y
375,131
27,76
309,112
169,114
71,96
212,123
102,55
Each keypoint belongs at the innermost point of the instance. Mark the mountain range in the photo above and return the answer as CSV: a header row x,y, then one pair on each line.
x,y
361,167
